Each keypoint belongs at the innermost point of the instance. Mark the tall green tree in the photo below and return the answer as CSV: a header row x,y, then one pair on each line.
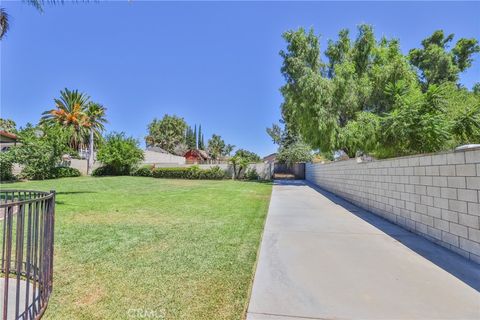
x,y
120,154
4,23
296,152
369,96
200,143
4,17
166,133
438,65
248,155
95,121
191,138
70,113
476,88
307,107
195,137
228,149
217,147
8,125
41,150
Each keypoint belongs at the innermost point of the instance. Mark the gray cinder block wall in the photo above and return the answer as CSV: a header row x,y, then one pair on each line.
x,y
434,195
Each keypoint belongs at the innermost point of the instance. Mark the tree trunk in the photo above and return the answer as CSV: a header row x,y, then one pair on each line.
x,y
90,153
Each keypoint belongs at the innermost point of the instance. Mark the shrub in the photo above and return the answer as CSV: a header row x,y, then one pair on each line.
x,y
65,172
174,173
251,174
214,173
239,164
40,151
119,154
193,172
107,171
6,164
145,171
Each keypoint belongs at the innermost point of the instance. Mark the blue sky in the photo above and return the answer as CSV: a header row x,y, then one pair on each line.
x,y
213,63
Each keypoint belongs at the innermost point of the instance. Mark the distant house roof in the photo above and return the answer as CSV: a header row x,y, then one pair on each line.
x,y
7,136
198,153
270,158
157,149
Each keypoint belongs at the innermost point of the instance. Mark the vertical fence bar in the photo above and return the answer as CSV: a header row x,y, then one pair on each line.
x,y
4,237
52,236
7,260
19,255
35,254
29,259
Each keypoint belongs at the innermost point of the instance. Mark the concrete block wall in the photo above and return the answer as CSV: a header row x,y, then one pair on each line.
x,y
82,165
434,195
153,157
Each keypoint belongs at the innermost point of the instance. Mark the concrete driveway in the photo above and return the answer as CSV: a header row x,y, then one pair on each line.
x,y
323,258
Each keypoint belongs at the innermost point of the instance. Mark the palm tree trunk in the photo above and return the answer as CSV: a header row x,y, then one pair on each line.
x,y
90,153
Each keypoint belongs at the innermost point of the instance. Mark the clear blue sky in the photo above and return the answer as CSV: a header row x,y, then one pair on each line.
x,y
213,63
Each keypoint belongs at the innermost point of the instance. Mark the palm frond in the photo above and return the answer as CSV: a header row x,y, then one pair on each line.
x,y
4,25
39,4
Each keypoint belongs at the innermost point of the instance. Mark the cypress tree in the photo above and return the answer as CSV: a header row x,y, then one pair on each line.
x,y
195,137
201,144
190,139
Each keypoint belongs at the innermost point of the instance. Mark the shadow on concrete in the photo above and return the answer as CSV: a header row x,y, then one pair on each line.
x,y
291,182
463,269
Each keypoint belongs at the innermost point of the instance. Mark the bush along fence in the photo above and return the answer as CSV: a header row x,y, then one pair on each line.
x,y
254,171
434,195
193,172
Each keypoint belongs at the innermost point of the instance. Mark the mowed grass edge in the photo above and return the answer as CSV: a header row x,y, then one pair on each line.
x,y
176,249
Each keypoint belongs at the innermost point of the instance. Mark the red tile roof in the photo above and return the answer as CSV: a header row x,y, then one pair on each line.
x,y
8,134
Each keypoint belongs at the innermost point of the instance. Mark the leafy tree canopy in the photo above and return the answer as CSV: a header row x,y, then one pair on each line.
x,y
217,147
247,155
8,125
166,133
41,150
120,153
369,96
191,138
436,64
297,152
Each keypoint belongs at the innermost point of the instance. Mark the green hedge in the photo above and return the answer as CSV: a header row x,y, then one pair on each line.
x,y
65,172
193,172
111,171
143,172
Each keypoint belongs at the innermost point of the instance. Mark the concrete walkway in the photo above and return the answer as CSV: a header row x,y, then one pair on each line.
x,y
323,258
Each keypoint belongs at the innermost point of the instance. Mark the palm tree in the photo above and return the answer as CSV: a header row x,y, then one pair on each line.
x,y
38,4
3,22
95,121
70,112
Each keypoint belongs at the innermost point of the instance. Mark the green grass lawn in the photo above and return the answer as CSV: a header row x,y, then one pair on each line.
x,y
176,249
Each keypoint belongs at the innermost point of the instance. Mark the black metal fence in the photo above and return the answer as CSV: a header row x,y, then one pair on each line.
x,y
27,219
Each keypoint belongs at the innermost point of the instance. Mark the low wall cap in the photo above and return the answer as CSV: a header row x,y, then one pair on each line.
x,y
467,147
